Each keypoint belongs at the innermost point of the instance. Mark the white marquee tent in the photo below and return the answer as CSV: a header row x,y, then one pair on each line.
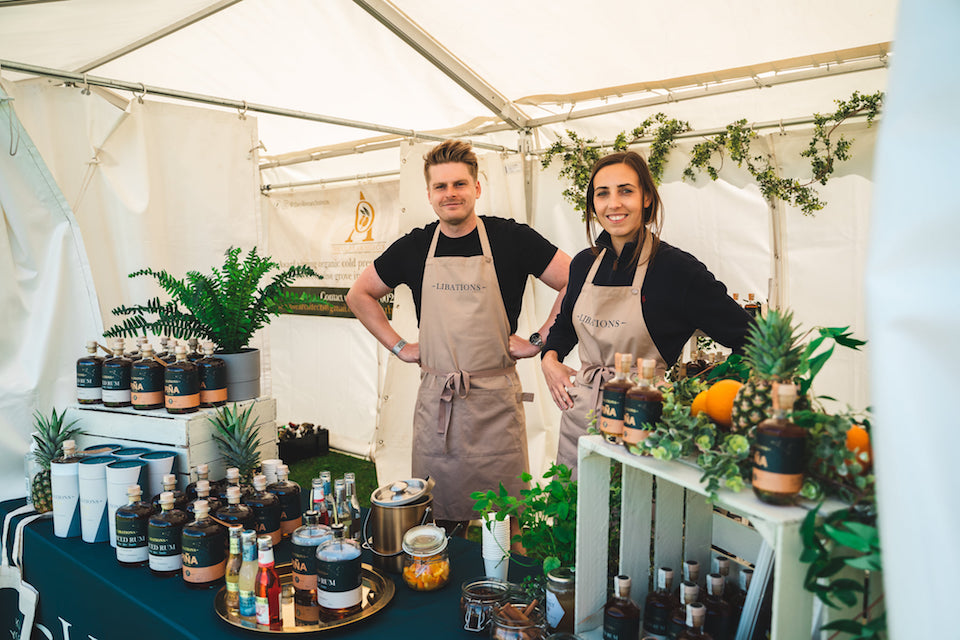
x,y
161,133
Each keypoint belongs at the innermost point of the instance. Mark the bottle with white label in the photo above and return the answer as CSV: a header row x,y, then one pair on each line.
x,y
132,521
89,376
267,586
560,595
116,378
164,538
339,591
303,554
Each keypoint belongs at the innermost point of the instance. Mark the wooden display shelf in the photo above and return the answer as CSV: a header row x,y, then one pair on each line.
x,y
682,526
190,434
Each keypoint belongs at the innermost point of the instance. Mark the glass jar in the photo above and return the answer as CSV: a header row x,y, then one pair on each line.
x,y
478,597
515,619
560,595
426,563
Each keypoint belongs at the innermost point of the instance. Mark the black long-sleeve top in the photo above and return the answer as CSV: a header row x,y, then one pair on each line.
x,y
679,296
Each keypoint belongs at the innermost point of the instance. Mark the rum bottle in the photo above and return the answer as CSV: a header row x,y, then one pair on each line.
x,y
146,381
610,421
267,587
213,378
90,376
246,583
689,593
695,616
193,351
266,510
203,493
288,493
234,513
181,384
656,610
204,543
339,581
621,617
305,541
642,406
170,485
116,378
232,572
132,521
719,621
163,538
778,451
203,473
751,306
164,351
233,480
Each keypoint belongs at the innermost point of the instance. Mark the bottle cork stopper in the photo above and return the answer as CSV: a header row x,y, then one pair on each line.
x,y
69,448
134,492
181,352
689,592
208,348
783,395
691,570
203,486
621,586
723,566
169,479
233,473
260,482
147,350
166,498
203,468
617,361
283,468
648,368
233,494
201,508
696,613
92,346
664,577
626,361
715,584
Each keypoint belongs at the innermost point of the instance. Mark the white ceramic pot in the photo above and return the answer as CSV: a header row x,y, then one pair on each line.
x,y
243,374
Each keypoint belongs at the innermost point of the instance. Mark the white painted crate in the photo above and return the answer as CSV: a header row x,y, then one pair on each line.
x,y
683,526
190,434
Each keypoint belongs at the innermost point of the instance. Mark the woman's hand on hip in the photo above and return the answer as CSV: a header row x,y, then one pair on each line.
x,y
559,378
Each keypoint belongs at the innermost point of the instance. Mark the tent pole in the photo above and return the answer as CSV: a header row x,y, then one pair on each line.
x,y
320,181
240,105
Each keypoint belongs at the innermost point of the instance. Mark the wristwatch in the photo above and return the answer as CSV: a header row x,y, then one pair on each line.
x,y
397,348
536,340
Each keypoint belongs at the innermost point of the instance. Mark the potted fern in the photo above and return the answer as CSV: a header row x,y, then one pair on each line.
x,y
227,306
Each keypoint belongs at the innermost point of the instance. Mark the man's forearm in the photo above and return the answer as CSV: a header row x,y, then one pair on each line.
x,y
372,316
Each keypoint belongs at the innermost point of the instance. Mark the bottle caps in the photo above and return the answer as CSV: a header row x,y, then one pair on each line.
x,y
134,492
696,613
203,486
201,508
233,495
166,497
621,586
715,584
260,482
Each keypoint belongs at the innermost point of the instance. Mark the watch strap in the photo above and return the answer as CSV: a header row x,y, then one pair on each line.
x,y
397,348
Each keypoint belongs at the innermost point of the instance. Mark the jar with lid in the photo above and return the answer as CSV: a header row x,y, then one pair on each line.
x,y
560,596
518,619
426,563
478,597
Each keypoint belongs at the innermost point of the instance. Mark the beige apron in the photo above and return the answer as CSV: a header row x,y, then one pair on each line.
x,y
468,428
607,320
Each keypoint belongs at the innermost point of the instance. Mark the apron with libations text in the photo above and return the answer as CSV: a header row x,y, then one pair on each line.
x,y
468,429
608,320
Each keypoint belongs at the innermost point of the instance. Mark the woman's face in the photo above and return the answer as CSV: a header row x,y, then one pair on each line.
x,y
618,202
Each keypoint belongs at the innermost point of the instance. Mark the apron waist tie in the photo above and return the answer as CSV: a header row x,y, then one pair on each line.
x,y
458,382
596,376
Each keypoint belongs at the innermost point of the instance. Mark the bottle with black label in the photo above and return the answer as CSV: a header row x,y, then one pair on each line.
x,y
751,306
288,493
266,509
339,590
132,521
305,541
610,421
656,610
695,617
234,513
169,483
203,493
146,381
202,473
164,537
642,406
213,378
621,617
170,348
689,592
778,451
204,545
181,384
116,378
719,621
89,376
193,350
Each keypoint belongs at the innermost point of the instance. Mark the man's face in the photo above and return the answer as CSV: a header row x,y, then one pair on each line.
x,y
452,192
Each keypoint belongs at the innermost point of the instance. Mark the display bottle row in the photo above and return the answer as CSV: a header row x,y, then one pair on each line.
x,y
751,305
146,380
630,412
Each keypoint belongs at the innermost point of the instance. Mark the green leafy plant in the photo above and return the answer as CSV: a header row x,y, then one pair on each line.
x,y
227,306
238,439
546,515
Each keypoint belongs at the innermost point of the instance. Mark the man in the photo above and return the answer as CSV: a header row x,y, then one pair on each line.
x,y
467,275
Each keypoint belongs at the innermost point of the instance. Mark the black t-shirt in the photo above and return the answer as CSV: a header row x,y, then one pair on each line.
x,y
518,251
679,296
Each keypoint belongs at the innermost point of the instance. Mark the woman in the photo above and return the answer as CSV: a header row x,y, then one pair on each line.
x,y
629,293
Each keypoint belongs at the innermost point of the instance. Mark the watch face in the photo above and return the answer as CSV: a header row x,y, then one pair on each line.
x,y
535,340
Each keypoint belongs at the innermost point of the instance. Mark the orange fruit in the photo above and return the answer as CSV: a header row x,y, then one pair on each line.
x,y
858,440
699,403
720,398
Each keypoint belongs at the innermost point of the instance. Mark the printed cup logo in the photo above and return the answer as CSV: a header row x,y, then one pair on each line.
x,y
363,220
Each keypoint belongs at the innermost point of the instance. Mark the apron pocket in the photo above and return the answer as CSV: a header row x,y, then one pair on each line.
x,y
488,422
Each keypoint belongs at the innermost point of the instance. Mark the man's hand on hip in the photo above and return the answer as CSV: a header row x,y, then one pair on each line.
x,y
522,347
410,352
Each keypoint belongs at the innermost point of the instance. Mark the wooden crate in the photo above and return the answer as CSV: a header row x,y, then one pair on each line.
x,y
683,525
190,435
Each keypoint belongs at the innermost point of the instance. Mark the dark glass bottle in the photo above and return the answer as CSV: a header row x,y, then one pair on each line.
x,y
204,549
181,385
193,350
695,617
213,378
203,493
234,513
266,510
610,421
132,521
146,381
202,473
170,485
752,306
267,586
642,406
621,617
89,376
305,541
689,593
656,610
233,480
164,538
288,493
339,579
778,451
116,378
719,622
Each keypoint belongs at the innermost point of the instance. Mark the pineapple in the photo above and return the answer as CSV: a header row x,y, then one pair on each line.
x,y
773,354
49,437
237,439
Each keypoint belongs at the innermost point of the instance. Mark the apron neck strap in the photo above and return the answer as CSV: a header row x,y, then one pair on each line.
x,y
481,231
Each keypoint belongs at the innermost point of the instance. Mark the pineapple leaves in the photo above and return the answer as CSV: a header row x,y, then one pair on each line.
x,y
237,438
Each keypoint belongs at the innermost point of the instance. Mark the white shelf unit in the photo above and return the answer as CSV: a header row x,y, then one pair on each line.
x,y
189,434
682,526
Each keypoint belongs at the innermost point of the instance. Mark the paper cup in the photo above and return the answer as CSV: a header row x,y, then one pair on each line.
x,y
495,545
496,568
66,499
92,480
159,464
120,475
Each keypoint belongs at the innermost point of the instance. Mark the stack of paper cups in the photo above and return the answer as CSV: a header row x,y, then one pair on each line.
x,y
159,464
120,475
269,469
496,546
92,480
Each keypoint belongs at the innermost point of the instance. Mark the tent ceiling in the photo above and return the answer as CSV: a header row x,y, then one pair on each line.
x,y
335,58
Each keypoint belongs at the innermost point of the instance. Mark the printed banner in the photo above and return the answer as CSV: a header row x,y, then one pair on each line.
x,y
336,306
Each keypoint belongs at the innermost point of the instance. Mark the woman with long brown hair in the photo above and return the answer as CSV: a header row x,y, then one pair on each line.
x,y
629,292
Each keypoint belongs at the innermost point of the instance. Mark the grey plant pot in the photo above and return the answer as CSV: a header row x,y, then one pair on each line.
x,y
243,374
